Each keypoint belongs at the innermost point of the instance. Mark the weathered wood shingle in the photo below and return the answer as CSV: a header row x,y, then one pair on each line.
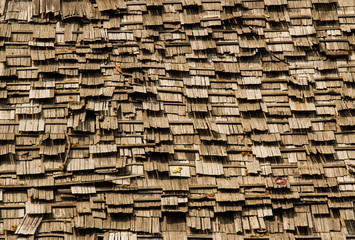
x,y
177,119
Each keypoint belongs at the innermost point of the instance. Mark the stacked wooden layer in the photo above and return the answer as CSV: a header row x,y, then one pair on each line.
x,y
177,119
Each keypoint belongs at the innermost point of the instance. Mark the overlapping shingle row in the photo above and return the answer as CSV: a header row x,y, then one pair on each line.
x,y
177,119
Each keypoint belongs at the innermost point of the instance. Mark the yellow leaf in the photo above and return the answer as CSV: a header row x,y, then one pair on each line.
x,y
177,170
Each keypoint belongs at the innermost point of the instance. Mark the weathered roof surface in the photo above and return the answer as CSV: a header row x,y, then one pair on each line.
x,y
177,119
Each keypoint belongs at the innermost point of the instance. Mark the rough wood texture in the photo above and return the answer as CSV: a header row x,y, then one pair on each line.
x,y
177,119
